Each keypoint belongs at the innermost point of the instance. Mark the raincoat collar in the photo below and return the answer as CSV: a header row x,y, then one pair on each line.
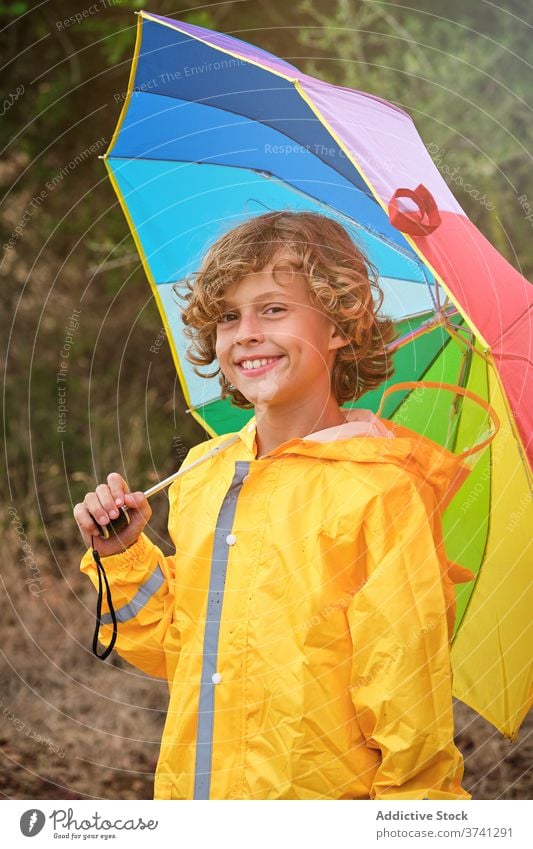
x,y
367,438
358,422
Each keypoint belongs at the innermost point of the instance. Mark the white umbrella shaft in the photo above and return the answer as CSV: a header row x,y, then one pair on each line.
x,y
184,469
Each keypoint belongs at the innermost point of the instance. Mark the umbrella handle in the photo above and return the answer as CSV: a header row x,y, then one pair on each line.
x,y
115,525
458,390
123,519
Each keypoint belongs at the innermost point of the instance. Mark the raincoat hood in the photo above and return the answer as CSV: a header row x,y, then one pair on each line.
x,y
366,438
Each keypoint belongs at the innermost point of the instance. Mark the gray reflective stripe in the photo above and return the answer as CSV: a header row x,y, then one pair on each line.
x,y
219,562
141,597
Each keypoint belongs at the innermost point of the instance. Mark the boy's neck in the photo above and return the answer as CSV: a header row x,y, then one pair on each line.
x,y
276,425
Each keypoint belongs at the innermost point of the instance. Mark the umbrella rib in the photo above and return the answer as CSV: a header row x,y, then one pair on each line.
x,y
193,161
436,320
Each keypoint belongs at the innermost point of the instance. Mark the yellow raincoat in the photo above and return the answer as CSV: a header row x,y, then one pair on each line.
x,y
303,623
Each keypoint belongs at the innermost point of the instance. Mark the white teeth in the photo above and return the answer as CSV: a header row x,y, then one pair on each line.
x,y
251,364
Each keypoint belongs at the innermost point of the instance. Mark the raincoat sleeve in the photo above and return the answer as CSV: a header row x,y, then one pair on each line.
x,y
401,674
142,582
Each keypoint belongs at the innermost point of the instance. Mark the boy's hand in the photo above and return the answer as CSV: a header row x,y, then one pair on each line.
x,y
104,504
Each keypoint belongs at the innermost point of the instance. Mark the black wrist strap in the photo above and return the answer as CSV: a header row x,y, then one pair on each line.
x,y
101,572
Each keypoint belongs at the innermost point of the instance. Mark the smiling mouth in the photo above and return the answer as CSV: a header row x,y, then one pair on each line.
x,y
253,368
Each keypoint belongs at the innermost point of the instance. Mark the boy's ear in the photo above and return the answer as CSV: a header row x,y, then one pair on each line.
x,y
336,339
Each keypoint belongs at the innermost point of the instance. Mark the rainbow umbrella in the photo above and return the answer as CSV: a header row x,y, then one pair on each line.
x,y
214,130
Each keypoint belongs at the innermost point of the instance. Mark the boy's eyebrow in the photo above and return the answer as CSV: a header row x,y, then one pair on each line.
x,y
275,295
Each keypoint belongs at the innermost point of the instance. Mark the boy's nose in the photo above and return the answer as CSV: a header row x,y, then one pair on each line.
x,y
249,330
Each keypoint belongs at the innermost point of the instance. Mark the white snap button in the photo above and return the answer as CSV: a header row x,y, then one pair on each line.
x,y
231,539
216,678
245,478
250,427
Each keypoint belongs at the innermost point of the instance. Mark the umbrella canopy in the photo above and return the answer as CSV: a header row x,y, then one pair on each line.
x,y
214,130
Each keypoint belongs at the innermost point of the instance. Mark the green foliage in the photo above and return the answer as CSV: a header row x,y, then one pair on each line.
x,y
14,9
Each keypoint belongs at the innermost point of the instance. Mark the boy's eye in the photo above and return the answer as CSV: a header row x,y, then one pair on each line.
x,y
230,316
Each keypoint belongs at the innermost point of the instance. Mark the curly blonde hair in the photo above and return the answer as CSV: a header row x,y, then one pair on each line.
x,y
341,280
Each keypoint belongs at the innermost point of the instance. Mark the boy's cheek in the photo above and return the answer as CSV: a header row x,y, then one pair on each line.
x,y
226,368
222,354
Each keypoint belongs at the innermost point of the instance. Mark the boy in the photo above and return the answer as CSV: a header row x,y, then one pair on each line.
x,y
303,622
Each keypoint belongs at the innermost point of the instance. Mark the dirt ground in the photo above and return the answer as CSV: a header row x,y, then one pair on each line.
x,y
72,727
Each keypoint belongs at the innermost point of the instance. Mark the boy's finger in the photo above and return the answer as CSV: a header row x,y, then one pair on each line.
x,y
129,500
106,500
118,487
85,521
95,508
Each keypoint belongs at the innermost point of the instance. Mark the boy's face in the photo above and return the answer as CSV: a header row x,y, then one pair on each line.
x,y
263,320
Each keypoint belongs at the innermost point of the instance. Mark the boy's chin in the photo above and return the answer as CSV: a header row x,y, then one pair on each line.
x,y
263,392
